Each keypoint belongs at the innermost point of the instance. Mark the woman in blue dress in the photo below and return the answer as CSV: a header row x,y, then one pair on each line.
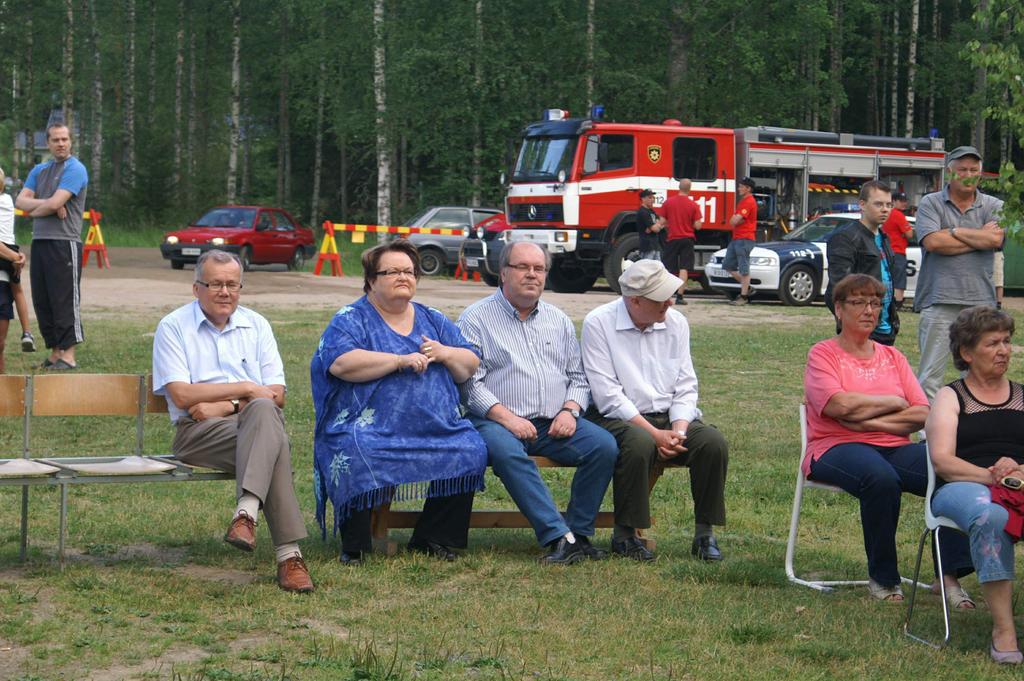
x,y
388,425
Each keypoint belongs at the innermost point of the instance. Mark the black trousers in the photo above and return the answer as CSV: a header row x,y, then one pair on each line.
x,y
707,457
445,521
56,275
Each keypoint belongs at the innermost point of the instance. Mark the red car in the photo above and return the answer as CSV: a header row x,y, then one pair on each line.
x,y
257,234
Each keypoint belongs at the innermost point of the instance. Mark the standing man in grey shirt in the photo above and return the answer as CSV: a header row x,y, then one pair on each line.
x,y
54,196
525,399
958,231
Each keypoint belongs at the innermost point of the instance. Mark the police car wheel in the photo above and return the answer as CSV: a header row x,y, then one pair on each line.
x,y
798,286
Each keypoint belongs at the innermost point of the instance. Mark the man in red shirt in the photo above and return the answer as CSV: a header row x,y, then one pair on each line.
x,y
684,218
898,229
744,230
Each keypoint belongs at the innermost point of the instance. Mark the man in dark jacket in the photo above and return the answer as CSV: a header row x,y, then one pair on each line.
x,y
863,248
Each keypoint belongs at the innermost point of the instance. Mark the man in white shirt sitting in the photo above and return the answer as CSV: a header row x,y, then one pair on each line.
x,y
218,365
636,353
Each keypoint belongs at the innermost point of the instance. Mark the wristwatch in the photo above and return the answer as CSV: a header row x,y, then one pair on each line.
x,y
952,232
575,412
234,404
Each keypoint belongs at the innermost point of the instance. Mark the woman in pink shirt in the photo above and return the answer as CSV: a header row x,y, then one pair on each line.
x,y
863,401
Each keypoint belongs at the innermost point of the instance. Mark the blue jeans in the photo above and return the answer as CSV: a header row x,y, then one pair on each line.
x,y
878,476
737,256
591,449
969,505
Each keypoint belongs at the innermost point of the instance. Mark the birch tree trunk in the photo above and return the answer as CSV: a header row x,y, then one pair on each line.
x,y
190,149
680,102
179,78
933,79
1005,139
318,156
128,154
236,96
68,67
380,100
915,9
244,193
478,109
894,74
96,155
403,170
590,54
875,97
28,101
283,124
980,83
836,66
343,175
151,100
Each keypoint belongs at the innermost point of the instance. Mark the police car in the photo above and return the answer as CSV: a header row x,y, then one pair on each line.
x,y
796,269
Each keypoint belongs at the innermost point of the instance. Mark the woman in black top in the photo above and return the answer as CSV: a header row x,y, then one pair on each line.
x,y
976,438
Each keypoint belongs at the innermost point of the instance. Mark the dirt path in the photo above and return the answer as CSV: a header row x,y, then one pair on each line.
x,y
141,283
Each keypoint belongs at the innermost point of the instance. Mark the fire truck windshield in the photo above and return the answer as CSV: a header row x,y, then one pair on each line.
x,y
541,158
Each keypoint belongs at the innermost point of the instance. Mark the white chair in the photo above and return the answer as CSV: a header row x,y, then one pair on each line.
x,y
803,483
932,523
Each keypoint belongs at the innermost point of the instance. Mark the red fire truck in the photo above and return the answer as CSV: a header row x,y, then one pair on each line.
x,y
575,185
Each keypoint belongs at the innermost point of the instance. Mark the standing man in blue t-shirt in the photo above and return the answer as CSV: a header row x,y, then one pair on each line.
x,y
863,248
54,196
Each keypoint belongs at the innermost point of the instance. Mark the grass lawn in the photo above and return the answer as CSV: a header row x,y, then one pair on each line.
x,y
152,592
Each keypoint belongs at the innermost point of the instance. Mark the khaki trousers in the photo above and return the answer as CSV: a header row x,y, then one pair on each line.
x,y
253,445
707,457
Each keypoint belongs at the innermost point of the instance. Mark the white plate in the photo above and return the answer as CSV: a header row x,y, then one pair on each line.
x,y
190,251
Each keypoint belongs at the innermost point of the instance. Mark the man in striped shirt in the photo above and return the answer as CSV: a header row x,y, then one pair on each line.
x,y
526,398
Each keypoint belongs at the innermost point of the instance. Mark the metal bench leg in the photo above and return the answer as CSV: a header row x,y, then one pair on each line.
x,y
63,524
23,547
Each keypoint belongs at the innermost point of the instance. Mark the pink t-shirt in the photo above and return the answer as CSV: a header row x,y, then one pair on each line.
x,y
831,370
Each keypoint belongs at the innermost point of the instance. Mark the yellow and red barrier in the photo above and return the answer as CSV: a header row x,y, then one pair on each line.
x,y
94,242
329,246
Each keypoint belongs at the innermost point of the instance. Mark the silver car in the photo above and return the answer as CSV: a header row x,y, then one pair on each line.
x,y
439,252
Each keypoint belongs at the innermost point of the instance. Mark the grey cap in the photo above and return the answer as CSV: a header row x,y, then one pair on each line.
x,y
960,152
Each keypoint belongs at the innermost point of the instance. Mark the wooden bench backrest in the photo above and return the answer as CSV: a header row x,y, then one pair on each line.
x,y
85,395
12,395
155,404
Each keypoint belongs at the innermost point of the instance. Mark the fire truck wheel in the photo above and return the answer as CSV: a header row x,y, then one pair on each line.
x,y
798,286
490,279
570,278
431,262
621,256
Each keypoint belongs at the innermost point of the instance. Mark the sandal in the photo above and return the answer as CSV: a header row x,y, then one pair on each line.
x,y
889,594
957,598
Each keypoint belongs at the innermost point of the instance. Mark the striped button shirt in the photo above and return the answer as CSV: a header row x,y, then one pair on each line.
x,y
532,367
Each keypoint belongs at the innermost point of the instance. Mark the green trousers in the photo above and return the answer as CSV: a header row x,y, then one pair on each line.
x,y
707,457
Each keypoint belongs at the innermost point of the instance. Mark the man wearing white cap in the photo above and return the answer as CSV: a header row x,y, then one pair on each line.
x,y
636,353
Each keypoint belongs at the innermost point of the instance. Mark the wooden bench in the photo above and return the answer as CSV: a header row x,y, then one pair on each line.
x,y
383,519
130,395
88,395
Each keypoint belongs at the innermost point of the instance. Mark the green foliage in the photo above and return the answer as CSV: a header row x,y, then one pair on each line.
x,y
1004,67
725,63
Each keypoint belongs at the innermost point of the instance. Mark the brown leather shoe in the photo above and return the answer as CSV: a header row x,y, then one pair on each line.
x,y
292,575
242,533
